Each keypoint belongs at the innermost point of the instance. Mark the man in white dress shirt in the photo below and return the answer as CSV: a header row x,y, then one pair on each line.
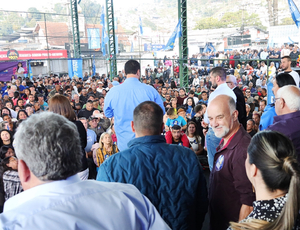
x,y
48,148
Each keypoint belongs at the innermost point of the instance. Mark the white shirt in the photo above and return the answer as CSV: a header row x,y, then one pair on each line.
x,y
258,82
222,89
20,70
196,100
13,113
285,52
196,81
263,69
82,205
194,142
264,55
295,75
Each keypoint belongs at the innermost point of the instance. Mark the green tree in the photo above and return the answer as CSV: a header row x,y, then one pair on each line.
x,y
60,8
91,11
287,21
10,23
31,23
34,13
147,23
230,19
208,23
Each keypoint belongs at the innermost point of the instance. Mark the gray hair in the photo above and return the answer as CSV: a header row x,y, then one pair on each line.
x,y
231,104
82,119
50,146
291,96
232,78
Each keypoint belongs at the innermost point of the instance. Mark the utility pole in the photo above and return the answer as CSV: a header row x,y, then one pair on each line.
x,y
111,36
270,12
275,12
183,48
75,27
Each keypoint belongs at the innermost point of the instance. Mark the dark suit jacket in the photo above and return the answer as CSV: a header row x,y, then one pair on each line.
x,y
241,106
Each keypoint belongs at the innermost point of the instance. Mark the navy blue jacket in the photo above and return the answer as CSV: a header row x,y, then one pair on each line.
x,y
169,175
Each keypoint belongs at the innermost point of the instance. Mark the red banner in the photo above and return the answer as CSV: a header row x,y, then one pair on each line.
x,y
32,54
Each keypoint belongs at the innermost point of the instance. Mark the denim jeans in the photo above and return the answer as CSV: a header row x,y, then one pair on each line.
x,y
212,143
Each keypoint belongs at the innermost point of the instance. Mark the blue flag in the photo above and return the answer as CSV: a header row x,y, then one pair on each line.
x,y
117,44
209,47
94,67
131,49
102,17
104,41
75,68
93,38
29,70
141,27
270,43
292,42
176,34
295,12
104,34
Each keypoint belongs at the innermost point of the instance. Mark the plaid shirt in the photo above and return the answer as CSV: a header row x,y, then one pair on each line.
x,y
11,183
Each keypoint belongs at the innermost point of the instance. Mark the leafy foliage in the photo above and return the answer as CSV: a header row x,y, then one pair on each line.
x,y
287,21
10,23
230,19
91,11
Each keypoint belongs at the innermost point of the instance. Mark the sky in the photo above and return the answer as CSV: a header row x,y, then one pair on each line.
x,y
21,5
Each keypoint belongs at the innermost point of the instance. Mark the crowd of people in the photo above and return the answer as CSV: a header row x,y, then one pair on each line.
x,y
236,120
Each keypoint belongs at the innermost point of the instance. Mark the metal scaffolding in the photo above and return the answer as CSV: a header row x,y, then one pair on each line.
x,y
75,27
183,48
112,36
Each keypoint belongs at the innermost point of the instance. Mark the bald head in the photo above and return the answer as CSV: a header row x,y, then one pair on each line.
x,y
223,101
222,115
288,100
147,119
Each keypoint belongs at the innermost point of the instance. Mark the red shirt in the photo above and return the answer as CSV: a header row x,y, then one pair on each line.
x,y
229,184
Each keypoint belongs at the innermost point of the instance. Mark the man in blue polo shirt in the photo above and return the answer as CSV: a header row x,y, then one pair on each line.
x,y
121,101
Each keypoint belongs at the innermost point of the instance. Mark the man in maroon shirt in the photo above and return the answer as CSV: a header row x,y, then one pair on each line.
x,y
182,96
230,193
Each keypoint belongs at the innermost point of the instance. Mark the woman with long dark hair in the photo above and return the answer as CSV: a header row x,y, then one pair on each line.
x,y
10,178
20,70
194,137
9,124
274,172
61,105
7,151
6,137
190,107
22,115
5,110
26,94
20,103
